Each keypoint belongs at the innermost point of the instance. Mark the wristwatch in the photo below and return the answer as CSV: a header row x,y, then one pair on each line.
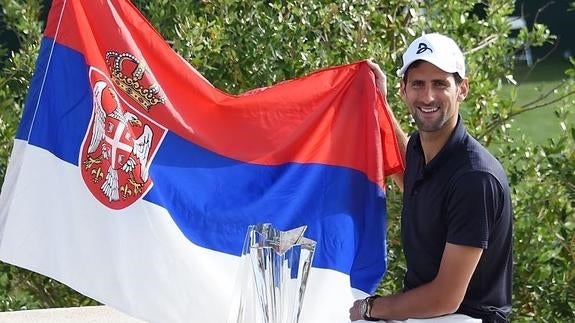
x,y
365,308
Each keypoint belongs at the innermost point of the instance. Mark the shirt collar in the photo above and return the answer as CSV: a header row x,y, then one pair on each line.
x,y
446,152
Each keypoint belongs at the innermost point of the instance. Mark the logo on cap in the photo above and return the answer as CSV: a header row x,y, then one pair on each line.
x,y
422,47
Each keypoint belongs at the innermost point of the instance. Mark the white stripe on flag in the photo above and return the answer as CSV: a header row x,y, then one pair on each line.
x,y
137,259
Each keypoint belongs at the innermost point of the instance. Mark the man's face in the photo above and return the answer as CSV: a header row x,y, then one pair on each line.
x,y
432,97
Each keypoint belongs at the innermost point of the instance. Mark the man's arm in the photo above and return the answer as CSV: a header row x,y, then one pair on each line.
x,y
441,296
381,83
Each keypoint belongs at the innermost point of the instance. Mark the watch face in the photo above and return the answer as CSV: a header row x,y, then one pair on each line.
x,y
363,308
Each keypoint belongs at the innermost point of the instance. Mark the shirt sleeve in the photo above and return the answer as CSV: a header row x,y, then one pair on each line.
x,y
475,201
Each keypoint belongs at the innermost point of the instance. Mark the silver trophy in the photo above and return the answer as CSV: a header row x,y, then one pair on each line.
x,y
273,275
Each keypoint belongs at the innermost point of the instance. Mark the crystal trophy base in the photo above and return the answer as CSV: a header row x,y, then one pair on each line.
x,y
274,268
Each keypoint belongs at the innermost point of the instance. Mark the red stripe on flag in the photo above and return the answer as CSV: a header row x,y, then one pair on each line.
x,y
314,119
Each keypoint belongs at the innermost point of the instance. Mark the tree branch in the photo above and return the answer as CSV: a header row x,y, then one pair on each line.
x,y
484,43
524,108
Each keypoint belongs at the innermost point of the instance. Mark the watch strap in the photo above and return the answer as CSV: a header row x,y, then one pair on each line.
x,y
366,315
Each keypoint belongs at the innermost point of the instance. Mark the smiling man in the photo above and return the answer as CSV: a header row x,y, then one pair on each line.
x,y
456,225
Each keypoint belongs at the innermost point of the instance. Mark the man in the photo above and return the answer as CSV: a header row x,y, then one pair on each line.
x,y
456,225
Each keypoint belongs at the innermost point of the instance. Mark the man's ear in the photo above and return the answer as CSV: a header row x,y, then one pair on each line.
x,y
463,90
402,89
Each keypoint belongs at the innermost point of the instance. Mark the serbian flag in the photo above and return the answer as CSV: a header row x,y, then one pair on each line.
x,y
133,180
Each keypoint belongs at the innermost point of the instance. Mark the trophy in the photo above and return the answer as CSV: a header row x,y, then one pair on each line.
x,y
274,268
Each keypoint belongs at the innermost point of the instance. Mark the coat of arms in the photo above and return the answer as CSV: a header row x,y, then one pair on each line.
x,y
121,141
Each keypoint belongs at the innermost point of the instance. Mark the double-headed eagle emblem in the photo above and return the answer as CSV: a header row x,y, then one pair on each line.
x,y
121,138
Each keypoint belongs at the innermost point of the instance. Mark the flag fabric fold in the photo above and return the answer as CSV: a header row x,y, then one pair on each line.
x,y
133,180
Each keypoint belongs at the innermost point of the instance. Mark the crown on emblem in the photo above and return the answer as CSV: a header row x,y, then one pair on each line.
x,y
130,83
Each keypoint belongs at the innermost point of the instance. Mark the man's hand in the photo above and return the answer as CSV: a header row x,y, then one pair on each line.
x,y
354,314
380,78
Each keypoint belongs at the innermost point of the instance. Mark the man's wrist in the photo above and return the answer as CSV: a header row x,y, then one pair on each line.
x,y
366,306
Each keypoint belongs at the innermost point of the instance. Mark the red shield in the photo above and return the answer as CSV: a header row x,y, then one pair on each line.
x,y
118,139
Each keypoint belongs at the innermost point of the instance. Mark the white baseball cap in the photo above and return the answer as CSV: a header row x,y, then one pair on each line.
x,y
436,49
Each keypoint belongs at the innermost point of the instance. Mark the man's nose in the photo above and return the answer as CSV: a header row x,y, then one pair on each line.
x,y
427,95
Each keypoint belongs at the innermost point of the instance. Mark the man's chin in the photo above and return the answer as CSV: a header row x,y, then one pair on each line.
x,y
428,126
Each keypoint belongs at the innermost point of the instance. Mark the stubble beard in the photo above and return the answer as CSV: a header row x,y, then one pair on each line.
x,y
430,126
427,125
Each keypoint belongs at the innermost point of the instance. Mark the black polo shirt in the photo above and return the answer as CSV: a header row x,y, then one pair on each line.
x,y
461,197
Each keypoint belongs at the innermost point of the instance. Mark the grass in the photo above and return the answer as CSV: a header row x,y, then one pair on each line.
x,y
540,124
